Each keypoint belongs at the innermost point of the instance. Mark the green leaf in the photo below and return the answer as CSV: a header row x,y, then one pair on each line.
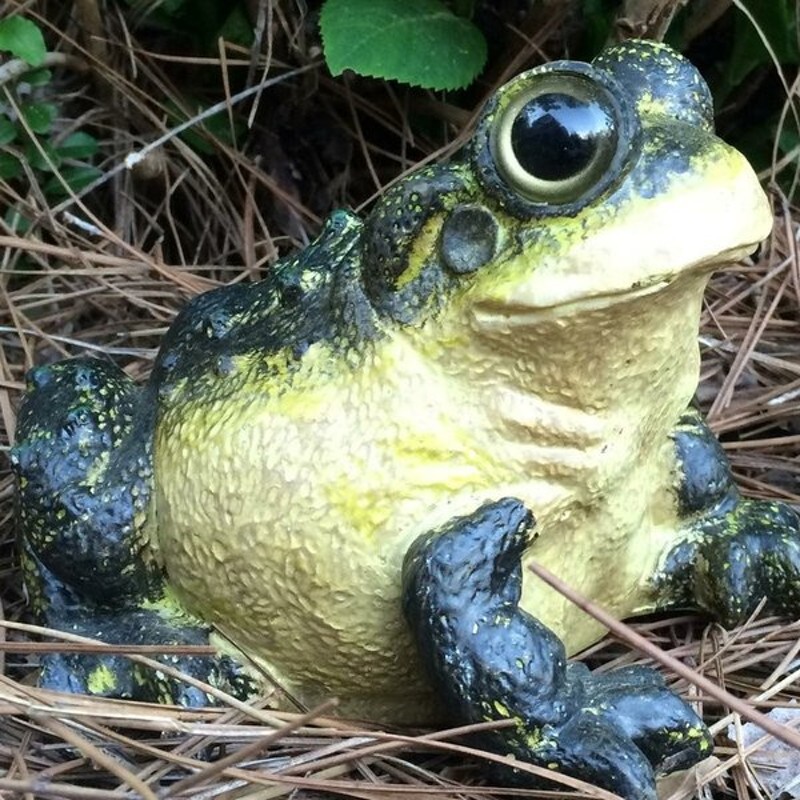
x,y
8,131
419,42
10,167
15,221
237,28
217,126
39,116
78,146
775,19
789,139
597,21
38,77
23,39
168,7
463,8
36,158
75,177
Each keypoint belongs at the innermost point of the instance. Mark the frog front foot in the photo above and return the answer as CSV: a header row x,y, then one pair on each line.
x,y
84,470
490,660
737,554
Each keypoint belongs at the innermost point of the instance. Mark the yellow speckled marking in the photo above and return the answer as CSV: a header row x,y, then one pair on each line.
x,y
101,680
424,244
501,709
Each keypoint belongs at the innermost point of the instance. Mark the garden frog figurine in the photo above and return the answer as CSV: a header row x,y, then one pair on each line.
x,y
341,472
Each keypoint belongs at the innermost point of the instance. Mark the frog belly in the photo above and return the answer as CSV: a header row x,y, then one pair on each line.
x,y
296,557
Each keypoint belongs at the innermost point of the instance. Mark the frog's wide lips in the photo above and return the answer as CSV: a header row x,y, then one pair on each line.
x,y
652,285
518,311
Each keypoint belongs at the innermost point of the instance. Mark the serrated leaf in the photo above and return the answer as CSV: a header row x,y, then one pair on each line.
x,y
10,167
23,39
78,146
39,116
8,131
419,42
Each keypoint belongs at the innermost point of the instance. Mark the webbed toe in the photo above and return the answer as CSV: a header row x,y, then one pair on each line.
x,y
119,676
733,553
637,702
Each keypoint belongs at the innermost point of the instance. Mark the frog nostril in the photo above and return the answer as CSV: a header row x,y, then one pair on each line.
x,y
169,360
86,378
290,295
218,324
224,366
76,419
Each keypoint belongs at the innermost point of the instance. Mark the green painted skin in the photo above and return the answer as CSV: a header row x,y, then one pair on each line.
x,y
486,342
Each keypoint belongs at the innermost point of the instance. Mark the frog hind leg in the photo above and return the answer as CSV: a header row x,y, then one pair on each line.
x,y
116,675
491,660
735,552
83,467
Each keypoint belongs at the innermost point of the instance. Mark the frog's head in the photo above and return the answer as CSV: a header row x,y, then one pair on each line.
x,y
585,188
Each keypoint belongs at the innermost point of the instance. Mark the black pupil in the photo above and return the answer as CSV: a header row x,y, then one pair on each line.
x,y
555,136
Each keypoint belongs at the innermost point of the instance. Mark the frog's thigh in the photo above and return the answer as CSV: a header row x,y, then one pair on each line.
x,y
153,623
84,474
84,478
730,552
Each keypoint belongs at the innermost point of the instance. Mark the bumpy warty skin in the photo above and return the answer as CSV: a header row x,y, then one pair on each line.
x,y
468,340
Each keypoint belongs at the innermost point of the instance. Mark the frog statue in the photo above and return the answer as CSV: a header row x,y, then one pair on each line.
x,y
334,472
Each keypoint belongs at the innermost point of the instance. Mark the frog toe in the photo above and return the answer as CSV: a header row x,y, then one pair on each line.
x,y
587,747
636,702
735,553
627,729
220,672
120,676
101,676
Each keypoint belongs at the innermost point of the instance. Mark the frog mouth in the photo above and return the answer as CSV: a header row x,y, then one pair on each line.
x,y
521,311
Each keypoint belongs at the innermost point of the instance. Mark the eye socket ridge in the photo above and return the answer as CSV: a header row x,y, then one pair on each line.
x,y
562,137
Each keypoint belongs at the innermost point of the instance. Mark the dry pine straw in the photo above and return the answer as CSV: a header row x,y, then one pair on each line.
x,y
114,292
85,747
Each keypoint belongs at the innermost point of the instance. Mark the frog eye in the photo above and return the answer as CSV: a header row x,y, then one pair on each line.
x,y
555,141
556,137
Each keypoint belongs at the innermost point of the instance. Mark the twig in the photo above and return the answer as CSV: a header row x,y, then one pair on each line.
x,y
626,634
